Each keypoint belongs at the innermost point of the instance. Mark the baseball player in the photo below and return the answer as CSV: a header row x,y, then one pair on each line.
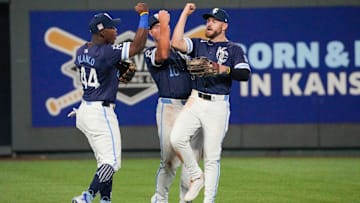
x,y
97,61
168,69
208,105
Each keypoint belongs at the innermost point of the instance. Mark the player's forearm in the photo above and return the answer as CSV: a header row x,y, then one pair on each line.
x,y
177,40
139,42
164,42
235,74
240,74
141,35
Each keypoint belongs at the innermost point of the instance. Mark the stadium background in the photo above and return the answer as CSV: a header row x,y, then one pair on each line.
x,y
18,108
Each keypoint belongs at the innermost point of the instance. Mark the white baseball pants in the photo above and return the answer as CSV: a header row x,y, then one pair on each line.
x,y
167,112
101,127
212,116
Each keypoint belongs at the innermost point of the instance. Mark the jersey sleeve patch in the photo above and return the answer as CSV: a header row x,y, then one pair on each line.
x,y
117,52
242,66
189,45
125,51
152,55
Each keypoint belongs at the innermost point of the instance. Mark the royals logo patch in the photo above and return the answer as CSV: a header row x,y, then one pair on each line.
x,y
222,55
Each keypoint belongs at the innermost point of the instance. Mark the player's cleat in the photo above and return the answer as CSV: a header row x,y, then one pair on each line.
x,y
195,186
153,199
156,199
85,197
105,200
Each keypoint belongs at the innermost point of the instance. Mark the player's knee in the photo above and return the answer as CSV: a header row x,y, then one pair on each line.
x,y
173,142
105,173
198,154
173,164
177,142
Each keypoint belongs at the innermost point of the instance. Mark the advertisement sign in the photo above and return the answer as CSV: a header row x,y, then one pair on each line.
x,y
305,65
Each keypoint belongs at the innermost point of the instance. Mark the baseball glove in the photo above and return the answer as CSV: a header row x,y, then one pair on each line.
x,y
202,67
127,71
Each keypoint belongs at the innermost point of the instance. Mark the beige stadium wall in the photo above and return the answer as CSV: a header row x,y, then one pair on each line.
x,y
246,137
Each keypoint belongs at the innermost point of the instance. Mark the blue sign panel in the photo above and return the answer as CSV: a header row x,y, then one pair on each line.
x,y
305,66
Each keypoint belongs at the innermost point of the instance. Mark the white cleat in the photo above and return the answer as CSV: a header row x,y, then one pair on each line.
x,y
156,199
153,199
195,187
85,197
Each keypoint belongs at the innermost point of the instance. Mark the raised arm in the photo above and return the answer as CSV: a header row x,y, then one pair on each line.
x,y
140,38
163,47
177,40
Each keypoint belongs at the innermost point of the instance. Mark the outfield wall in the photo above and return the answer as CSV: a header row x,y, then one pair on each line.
x,y
311,113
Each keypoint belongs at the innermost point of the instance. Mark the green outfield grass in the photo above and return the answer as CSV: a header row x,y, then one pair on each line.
x,y
246,180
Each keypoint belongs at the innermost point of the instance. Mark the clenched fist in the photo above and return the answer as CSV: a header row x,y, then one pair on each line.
x,y
164,17
189,8
141,7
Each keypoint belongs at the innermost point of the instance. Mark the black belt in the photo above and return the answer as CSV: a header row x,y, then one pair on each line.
x,y
107,103
204,96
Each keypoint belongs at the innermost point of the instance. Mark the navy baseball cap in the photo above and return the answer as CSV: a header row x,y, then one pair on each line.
x,y
218,14
101,21
153,20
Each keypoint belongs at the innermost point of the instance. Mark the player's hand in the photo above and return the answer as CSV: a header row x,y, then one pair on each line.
x,y
164,17
141,7
189,8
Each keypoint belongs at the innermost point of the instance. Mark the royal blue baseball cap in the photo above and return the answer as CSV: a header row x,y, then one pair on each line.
x,y
153,20
218,14
101,21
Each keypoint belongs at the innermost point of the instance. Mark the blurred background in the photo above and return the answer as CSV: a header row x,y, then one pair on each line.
x,y
302,99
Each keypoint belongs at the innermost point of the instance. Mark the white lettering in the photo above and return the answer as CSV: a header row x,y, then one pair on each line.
x,y
314,85
244,89
294,84
262,85
291,84
307,54
259,85
336,57
336,83
300,55
354,80
260,56
357,53
84,58
284,55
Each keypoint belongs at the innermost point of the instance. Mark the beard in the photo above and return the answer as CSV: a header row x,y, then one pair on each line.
x,y
211,34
